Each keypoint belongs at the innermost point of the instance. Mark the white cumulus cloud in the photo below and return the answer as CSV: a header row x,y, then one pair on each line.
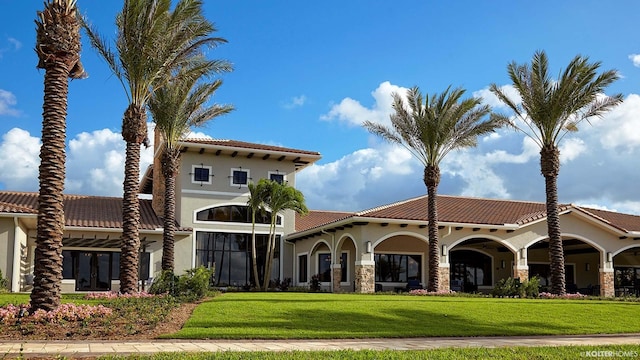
x,y
353,113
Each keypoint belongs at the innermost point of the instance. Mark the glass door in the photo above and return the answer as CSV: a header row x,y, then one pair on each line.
x,y
93,271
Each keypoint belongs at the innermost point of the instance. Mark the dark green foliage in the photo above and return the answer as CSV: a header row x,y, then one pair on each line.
x,y
166,283
315,283
193,285
4,283
514,288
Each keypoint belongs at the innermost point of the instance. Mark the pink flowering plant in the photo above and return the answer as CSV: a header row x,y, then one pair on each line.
x,y
546,295
111,295
64,312
424,292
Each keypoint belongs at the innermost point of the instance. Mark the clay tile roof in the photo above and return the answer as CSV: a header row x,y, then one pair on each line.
x,y
83,210
451,209
247,145
624,222
464,210
319,218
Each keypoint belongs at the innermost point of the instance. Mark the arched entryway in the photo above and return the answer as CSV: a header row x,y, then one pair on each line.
x,y
400,258
626,272
476,264
581,263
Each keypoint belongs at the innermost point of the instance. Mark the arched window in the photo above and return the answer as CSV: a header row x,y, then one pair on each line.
x,y
235,213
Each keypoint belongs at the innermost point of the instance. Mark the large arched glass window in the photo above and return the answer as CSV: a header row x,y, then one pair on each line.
x,y
235,213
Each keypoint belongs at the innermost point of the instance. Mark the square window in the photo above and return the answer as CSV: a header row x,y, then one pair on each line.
x,y
279,178
201,174
239,177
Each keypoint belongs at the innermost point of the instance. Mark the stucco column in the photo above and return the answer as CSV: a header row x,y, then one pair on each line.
x,y
607,287
365,276
443,277
336,271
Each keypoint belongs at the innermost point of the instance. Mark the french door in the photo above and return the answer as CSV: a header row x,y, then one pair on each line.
x,y
94,271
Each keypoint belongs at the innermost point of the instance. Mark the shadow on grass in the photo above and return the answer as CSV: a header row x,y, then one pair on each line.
x,y
306,322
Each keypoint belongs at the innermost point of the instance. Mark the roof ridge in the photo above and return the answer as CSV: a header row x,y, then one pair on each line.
x,y
382,207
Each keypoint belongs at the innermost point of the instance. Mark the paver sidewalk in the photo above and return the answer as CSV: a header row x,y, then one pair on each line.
x,y
52,348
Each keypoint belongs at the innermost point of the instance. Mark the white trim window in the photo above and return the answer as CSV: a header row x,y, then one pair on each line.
x,y
239,177
277,177
201,174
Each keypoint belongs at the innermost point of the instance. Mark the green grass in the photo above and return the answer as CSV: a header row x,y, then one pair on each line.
x,y
524,353
318,316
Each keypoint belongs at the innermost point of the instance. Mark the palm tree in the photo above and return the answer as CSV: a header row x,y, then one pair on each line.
x,y
279,197
152,42
58,49
430,128
548,111
175,108
256,205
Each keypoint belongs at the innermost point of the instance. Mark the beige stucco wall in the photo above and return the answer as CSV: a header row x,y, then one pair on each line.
x,y
6,247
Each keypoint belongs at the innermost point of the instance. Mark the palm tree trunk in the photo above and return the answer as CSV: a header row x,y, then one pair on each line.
x,y
130,242
134,132
48,252
431,180
254,256
269,255
170,171
550,167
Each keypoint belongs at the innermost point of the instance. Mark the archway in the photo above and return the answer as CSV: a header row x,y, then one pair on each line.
x,y
626,271
582,264
477,263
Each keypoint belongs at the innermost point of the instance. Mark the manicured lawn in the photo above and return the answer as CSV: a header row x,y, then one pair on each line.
x,y
523,353
309,316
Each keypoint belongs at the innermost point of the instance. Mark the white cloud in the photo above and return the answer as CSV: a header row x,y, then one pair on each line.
x,y
353,113
15,43
492,100
95,162
197,135
296,101
571,148
7,103
635,58
619,128
362,179
19,160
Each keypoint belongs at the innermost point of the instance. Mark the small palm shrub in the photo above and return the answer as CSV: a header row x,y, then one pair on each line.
x,y
511,287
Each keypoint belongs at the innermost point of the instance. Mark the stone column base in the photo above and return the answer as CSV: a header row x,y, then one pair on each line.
x,y
365,279
443,278
337,276
607,287
521,273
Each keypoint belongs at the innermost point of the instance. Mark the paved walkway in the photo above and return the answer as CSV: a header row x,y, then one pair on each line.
x,y
33,348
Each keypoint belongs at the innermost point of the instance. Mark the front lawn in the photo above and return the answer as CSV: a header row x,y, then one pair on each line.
x,y
316,316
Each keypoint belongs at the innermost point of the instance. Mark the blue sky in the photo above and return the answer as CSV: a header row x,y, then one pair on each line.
x,y
308,73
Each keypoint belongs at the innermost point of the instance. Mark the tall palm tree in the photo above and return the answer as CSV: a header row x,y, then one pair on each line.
x,y
430,128
256,205
152,42
176,108
279,197
58,49
548,111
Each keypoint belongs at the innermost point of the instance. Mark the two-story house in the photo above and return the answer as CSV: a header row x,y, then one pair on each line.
x,y
481,240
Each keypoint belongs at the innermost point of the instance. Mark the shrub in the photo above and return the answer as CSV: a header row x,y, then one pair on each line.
x,y
4,283
315,283
194,284
166,283
514,288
